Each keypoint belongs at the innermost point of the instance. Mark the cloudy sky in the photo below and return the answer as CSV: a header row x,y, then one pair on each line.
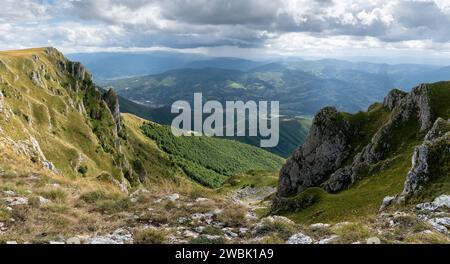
x,y
412,29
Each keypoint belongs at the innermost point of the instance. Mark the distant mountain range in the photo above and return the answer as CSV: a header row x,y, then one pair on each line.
x,y
113,65
302,87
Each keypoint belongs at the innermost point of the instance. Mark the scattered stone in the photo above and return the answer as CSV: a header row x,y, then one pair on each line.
x,y
373,240
198,216
440,224
43,201
217,211
190,234
211,237
250,217
299,238
243,230
56,242
441,203
328,240
202,200
73,240
219,225
229,233
13,201
199,229
173,197
9,193
319,226
120,236
139,192
3,227
387,201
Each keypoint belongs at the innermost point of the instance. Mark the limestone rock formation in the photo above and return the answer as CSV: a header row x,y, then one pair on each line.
x,y
112,100
328,158
393,99
326,147
426,159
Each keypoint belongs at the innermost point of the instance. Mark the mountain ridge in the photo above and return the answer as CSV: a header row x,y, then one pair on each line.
x,y
344,152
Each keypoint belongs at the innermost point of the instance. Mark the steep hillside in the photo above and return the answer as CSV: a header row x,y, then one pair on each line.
x,y
350,162
52,108
52,112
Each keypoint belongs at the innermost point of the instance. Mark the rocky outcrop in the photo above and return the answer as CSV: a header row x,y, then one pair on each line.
x,y
320,161
112,100
325,148
393,99
405,108
30,149
427,158
78,71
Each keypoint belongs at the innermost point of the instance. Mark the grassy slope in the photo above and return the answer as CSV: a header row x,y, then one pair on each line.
x,y
361,200
46,114
211,161
388,176
51,115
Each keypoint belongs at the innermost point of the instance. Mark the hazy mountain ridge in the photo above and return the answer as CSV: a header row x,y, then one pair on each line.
x,y
114,65
302,88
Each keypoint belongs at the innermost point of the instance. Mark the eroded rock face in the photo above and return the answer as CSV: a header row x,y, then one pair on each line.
x,y
425,161
319,162
325,148
393,99
112,100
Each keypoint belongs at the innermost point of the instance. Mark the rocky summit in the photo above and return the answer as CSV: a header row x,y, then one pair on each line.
x,y
347,153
